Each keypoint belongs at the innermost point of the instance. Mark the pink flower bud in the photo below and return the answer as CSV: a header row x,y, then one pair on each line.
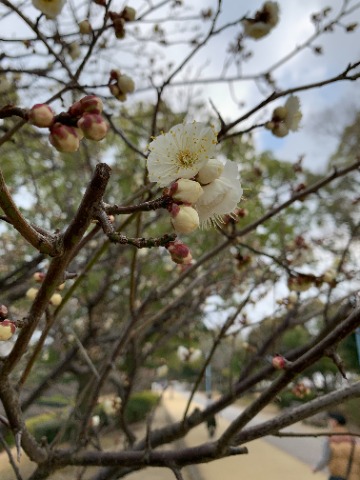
x,y
76,109
278,362
94,126
7,329
3,311
184,219
185,190
41,115
91,104
39,276
180,253
64,138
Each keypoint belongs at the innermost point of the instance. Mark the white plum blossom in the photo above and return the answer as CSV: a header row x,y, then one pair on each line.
x,y
188,354
220,197
181,152
263,22
51,8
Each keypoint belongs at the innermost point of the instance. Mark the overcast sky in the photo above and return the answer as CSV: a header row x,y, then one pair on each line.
x,y
340,48
315,140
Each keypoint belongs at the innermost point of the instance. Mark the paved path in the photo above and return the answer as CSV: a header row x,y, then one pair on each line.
x,y
306,449
265,461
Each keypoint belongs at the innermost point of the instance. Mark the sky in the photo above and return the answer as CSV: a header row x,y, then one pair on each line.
x,y
319,133
315,140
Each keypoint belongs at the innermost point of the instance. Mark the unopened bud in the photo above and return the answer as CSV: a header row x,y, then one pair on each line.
x,y
128,14
269,125
64,138
75,109
280,130
119,27
180,253
115,90
185,190
7,330
39,276
91,104
85,27
56,299
210,172
74,50
184,219
279,113
41,115
126,84
31,293
93,126
278,362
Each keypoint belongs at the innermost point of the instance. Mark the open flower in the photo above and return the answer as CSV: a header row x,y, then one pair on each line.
x,y
51,8
263,22
181,152
221,196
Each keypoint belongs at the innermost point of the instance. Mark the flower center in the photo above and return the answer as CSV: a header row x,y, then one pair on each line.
x,y
186,158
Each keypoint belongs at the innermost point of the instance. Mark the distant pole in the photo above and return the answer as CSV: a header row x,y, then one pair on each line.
x,y
208,379
357,338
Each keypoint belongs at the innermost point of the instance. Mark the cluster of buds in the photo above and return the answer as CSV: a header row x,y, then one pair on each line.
x,y
184,193
302,282
188,354
32,292
285,118
83,119
263,22
120,85
300,390
180,253
128,14
7,327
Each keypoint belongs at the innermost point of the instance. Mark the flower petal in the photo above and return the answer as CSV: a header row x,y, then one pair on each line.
x,y
180,153
221,196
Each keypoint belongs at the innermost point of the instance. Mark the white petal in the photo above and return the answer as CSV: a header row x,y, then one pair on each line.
x,y
294,114
221,196
180,153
